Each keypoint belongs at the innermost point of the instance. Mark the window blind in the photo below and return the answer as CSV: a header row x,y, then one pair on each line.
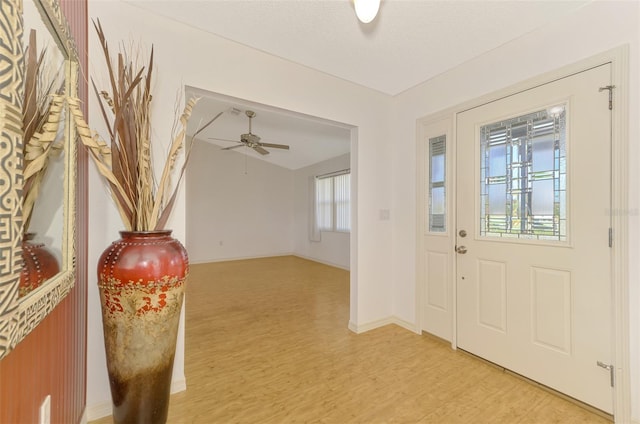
x,y
333,201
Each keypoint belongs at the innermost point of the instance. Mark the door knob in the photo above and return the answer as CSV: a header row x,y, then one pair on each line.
x,y
461,250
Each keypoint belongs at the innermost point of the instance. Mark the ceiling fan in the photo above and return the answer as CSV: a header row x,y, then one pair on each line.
x,y
252,140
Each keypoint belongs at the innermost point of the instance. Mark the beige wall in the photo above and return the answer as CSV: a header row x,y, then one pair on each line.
x,y
237,206
229,68
383,159
333,248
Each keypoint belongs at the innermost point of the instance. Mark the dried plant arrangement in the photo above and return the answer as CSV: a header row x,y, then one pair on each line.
x,y
126,162
41,116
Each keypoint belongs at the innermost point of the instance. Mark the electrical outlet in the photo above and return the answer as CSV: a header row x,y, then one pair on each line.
x,y
45,411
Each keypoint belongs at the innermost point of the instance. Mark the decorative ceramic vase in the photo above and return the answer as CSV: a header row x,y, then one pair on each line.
x,y
38,265
141,278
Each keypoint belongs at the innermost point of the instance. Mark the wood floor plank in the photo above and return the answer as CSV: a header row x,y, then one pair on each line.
x,y
267,342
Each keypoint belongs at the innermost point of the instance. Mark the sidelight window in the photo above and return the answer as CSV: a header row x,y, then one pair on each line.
x,y
437,173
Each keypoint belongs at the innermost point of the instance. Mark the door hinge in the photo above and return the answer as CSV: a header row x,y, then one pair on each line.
x,y
609,367
610,237
610,89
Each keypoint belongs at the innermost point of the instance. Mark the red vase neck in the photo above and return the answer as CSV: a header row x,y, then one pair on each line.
x,y
145,234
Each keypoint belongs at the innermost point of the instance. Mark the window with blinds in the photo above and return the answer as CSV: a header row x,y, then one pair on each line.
x,y
333,202
437,173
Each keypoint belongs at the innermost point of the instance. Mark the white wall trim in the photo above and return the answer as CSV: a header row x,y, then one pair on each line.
x,y
178,386
619,58
83,418
406,325
353,235
100,410
620,224
328,263
359,329
241,258
275,255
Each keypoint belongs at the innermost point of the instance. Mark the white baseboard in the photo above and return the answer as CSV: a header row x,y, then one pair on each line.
x,y
274,255
309,258
239,258
103,409
83,418
358,329
406,325
178,386
97,411
363,328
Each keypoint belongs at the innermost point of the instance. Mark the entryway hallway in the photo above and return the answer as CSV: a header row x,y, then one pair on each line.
x,y
267,342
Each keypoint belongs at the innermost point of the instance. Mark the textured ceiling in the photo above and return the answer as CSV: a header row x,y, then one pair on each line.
x,y
409,42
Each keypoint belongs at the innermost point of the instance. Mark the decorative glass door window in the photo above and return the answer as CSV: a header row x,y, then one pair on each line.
x,y
523,180
437,173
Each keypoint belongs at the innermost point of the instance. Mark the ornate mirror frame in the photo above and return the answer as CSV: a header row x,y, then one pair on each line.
x,y
19,316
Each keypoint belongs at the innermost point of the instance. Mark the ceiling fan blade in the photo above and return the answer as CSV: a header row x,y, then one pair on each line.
x,y
260,150
233,147
225,139
275,146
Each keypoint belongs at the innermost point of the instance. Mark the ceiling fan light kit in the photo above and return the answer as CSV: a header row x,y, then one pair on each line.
x,y
366,10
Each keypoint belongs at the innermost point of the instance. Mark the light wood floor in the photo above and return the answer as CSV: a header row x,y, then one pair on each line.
x,y
267,342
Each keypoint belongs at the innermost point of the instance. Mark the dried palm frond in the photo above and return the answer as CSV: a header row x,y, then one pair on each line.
x,y
126,160
40,147
101,154
41,116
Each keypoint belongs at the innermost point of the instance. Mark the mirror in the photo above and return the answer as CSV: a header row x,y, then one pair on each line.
x,y
43,155
53,217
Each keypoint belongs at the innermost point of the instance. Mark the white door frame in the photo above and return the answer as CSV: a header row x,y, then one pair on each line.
x,y
619,59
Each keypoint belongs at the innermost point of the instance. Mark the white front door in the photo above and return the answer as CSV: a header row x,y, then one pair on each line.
x,y
533,270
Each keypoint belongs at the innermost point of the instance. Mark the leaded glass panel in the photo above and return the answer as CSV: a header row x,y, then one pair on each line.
x,y
523,182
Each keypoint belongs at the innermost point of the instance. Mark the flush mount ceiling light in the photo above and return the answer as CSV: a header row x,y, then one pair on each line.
x,y
366,10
